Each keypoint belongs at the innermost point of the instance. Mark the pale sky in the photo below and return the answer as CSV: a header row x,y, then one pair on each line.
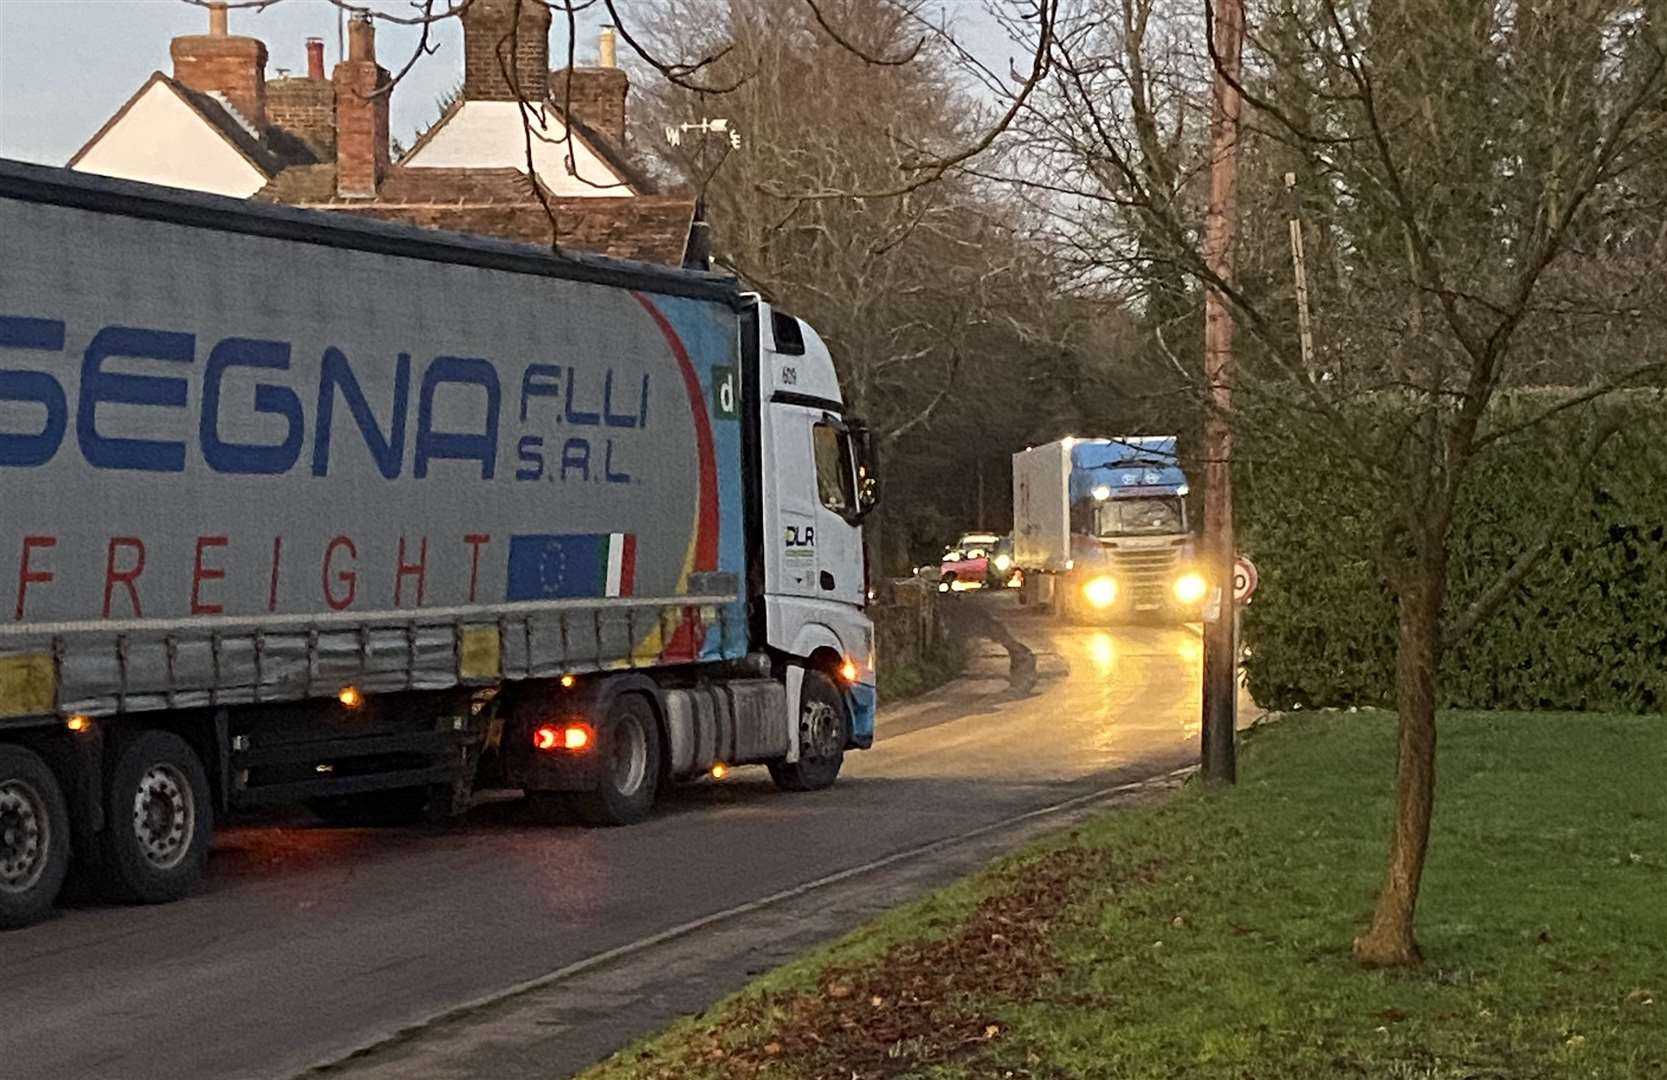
x,y
67,65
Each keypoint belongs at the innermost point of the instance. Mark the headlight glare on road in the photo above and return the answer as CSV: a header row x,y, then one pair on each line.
x,y
1101,592
1189,588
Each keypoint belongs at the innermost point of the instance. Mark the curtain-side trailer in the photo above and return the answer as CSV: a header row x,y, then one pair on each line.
x,y
297,507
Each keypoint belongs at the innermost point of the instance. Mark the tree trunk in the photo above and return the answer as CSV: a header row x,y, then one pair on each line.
x,y
1390,941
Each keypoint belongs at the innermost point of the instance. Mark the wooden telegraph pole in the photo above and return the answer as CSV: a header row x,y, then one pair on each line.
x,y
1221,688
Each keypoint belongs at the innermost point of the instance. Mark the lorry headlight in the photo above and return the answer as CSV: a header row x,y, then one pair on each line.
x,y
1101,592
1004,562
1189,588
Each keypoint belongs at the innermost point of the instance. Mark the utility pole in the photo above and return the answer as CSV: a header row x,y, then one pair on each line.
x,y
1221,684
1299,270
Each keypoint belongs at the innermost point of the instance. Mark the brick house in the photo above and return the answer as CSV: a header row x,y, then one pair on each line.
x,y
218,124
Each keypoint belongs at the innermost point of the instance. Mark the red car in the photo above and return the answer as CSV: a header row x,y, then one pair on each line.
x,y
972,562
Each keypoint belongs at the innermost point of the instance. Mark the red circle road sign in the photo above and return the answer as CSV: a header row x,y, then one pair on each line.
x,y
1244,579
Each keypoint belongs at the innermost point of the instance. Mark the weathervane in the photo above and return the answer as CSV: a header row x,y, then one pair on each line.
x,y
719,126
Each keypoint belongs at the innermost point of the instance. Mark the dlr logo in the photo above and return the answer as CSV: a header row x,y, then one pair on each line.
x,y
801,536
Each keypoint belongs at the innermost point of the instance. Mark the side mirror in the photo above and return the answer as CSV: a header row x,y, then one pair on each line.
x,y
865,459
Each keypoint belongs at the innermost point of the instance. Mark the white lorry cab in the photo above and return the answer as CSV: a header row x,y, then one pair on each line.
x,y
303,508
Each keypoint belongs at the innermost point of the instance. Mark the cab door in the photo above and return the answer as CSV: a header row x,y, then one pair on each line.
x,y
794,564
839,559
818,545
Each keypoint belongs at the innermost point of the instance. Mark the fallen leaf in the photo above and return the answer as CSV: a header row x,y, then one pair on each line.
x,y
772,1048
839,990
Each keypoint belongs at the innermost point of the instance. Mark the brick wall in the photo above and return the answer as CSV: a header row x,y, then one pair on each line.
x,y
233,66
306,107
486,28
596,98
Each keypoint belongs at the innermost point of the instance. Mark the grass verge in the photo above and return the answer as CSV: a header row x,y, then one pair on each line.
x,y
1208,936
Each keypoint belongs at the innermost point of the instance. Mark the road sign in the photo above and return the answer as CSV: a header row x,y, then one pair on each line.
x,y
1244,579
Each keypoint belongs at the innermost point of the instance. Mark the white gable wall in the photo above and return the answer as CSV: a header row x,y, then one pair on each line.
x,y
162,140
489,135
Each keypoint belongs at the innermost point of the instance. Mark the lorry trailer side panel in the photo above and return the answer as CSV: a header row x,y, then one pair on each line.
x,y
241,469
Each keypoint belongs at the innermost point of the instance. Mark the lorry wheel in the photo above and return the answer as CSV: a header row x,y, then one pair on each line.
x,y
1066,607
160,819
628,766
375,809
34,837
824,729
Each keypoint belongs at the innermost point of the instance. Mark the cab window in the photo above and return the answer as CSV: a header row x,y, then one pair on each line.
x,y
835,479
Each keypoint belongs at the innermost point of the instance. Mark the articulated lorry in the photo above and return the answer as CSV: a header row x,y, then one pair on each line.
x,y
1100,529
302,508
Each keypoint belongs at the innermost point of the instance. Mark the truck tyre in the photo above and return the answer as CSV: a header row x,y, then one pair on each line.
x,y
824,729
1067,607
375,809
628,765
34,837
160,818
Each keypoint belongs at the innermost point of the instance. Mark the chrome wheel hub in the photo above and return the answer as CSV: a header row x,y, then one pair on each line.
x,y
164,816
818,730
25,836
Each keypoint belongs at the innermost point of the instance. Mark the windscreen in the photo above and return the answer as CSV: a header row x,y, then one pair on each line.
x,y
1147,515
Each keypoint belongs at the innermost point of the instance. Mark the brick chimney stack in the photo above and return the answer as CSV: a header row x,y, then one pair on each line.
x,y
488,50
315,58
596,95
362,157
219,63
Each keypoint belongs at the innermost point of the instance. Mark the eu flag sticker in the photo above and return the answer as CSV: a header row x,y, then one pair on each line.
x,y
571,566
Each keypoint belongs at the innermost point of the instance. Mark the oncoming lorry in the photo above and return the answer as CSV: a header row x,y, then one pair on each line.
x,y
1100,529
301,508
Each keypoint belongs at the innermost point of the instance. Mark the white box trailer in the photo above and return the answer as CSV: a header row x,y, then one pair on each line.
x,y
303,507
1042,508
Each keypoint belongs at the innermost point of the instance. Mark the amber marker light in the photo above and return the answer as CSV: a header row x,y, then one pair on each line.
x,y
567,682
719,771
350,697
848,671
79,723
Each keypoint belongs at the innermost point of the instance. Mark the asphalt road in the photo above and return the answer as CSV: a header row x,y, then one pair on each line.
x,y
307,942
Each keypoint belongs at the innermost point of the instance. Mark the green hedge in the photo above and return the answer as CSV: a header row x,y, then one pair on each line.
x,y
1588,630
